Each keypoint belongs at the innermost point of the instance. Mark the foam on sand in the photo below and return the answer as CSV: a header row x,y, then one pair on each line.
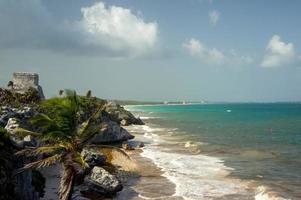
x,y
195,176
262,193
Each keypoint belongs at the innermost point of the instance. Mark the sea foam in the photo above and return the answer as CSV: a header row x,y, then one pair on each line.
x,y
263,193
195,176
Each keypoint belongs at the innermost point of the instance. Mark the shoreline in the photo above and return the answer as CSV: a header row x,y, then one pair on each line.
x,y
213,182
149,182
153,181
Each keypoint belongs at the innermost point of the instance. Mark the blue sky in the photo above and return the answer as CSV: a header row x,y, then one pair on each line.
x,y
214,50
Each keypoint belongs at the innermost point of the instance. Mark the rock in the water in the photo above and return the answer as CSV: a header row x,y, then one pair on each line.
x,y
140,145
112,133
131,145
127,146
93,157
101,182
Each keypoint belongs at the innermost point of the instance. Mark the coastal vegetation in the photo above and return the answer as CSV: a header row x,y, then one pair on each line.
x,y
62,130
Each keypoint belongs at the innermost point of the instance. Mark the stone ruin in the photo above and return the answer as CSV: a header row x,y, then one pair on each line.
x,y
23,81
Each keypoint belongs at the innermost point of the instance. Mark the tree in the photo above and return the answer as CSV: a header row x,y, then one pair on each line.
x,y
65,137
10,85
61,92
89,94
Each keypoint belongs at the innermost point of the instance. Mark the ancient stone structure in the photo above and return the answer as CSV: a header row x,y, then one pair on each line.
x,y
23,81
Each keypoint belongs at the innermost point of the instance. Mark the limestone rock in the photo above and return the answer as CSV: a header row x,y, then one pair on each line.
x,y
93,157
121,115
10,127
23,186
101,182
127,146
112,133
140,145
131,145
77,195
7,112
29,141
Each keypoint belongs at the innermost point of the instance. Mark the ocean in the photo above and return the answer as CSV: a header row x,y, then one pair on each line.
x,y
226,151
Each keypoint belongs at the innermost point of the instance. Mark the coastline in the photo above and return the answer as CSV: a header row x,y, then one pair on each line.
x,y
149,182
164,170
210,179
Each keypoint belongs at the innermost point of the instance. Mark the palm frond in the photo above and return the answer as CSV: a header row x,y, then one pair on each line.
x,y
40,163
43,121
34,151
90,127
24,132
56,135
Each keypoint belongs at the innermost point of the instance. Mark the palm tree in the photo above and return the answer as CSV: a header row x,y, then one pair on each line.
x,y
65,138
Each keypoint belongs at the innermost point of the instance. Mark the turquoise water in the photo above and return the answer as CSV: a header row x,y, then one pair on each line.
x,y
261,142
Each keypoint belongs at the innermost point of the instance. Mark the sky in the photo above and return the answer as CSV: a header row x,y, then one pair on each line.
x,y
156,50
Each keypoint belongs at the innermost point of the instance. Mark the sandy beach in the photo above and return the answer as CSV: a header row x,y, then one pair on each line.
x,y
146,182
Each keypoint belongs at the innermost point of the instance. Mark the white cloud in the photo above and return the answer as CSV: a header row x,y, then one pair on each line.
x,y
118,29
207,55
214,17
213,56
107,31
278,53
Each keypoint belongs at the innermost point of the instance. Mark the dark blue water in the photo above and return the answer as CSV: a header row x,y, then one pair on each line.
x,y
261,142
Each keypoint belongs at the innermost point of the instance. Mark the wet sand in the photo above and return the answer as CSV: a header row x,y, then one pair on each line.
x,y
148,183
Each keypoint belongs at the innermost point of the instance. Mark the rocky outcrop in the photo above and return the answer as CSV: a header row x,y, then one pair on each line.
x,y
7,112
23,185
112,132
10,97
132,145
10,127
93,157
16,187
100,182
14,118
30,141
77,195
122,116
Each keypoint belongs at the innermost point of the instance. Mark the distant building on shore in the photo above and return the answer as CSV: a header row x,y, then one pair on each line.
x,y
23,81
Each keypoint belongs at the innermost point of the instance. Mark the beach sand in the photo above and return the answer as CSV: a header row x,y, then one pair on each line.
x,y
149,182
146,183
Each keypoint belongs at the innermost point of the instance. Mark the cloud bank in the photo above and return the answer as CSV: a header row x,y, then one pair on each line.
x,y
278,53
102,30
